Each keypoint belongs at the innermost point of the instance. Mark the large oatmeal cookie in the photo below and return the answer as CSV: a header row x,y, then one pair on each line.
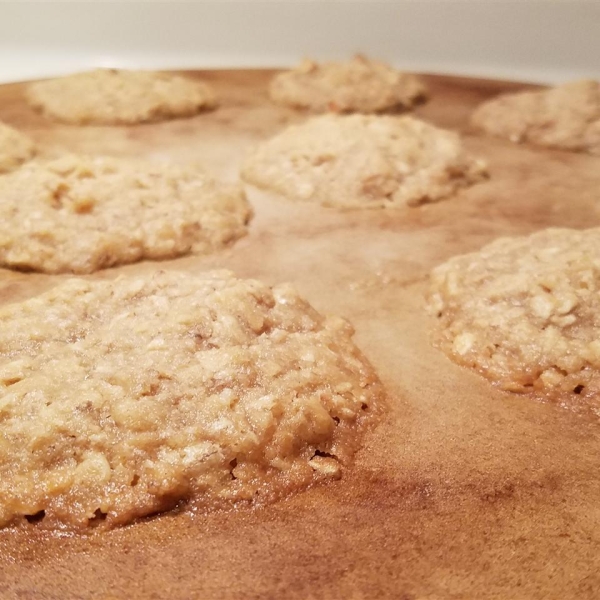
x,y
123,398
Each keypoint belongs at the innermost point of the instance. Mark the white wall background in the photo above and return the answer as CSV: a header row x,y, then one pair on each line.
x,y
536,40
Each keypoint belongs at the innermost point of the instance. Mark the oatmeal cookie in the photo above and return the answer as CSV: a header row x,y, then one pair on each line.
x,y
363,161
79,214
356,85
525,312
119,97
565,117
15,148
123,398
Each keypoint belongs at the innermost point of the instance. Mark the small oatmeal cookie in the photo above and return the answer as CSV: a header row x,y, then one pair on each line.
x,y
15,148
565,117
525,312
119,97
363,161
123,398
79,214
356,85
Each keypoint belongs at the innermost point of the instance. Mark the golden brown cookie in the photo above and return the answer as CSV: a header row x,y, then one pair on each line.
x,y
565,117
123,398
78,214
356,85
363,161
525,312
120,97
